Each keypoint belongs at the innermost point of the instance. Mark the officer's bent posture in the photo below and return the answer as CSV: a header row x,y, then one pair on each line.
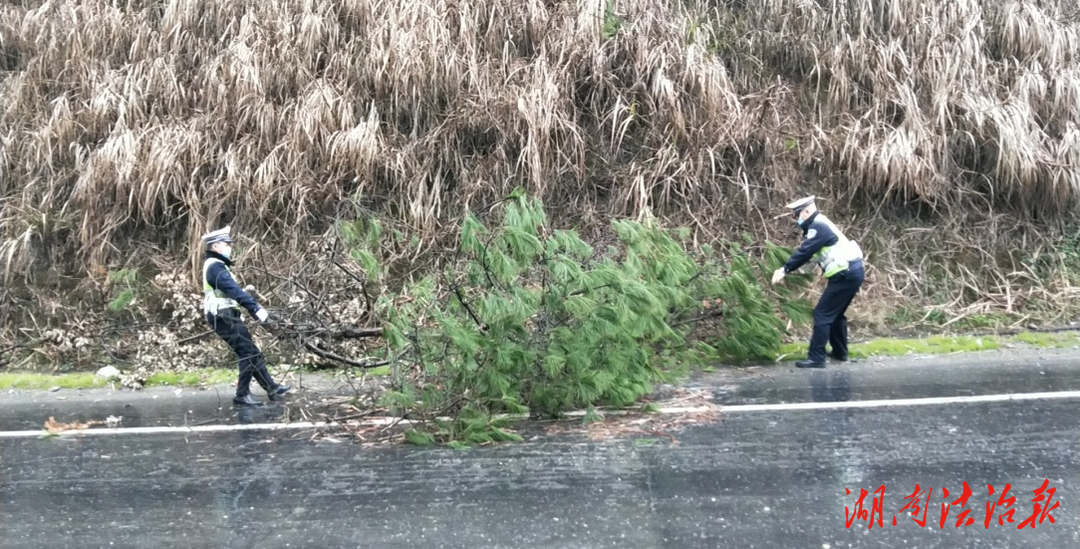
x,y
222,299
841,261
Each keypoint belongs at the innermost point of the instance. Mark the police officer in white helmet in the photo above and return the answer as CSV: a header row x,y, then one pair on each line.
x,y
841,261
222,300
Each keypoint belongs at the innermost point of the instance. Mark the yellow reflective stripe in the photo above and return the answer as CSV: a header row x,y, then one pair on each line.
x,y
832,259
829,264
213,299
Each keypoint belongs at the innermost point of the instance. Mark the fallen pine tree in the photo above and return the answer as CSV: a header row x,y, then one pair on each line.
x,y
526,318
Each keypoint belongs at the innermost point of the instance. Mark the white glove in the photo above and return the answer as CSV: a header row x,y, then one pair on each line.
x,y
262,315
778,275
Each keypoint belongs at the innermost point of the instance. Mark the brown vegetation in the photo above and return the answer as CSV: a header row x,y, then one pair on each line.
x,y
945,135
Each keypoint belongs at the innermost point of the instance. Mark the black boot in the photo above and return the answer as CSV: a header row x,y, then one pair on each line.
x,y
246,400
279,391
809,364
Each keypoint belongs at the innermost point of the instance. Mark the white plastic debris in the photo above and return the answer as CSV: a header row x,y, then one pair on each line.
x,y
109,372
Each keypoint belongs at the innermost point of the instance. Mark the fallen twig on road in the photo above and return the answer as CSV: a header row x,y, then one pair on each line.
x,y
53,426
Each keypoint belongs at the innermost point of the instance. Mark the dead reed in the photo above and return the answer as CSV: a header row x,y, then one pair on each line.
x,y
139,124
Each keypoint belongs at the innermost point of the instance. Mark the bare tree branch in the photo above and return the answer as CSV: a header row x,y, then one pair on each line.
x,y
315,349
195,337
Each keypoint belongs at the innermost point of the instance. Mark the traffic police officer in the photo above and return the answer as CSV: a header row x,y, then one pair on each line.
x,y
222,299
841,261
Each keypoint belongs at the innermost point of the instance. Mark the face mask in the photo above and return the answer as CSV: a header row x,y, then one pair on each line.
x,y
800,222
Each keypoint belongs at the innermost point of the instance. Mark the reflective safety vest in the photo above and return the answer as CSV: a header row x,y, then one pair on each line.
x,y
836,258
215,300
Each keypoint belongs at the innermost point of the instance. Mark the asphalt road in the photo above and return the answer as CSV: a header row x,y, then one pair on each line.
x,y
768,478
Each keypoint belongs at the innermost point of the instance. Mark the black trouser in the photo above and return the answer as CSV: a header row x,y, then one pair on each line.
x,y
830,321
228,325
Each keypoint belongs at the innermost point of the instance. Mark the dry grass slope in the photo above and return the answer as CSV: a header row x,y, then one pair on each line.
x,y
139,124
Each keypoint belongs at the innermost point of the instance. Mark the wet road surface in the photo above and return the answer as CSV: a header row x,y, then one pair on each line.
x,y
769,479
962,375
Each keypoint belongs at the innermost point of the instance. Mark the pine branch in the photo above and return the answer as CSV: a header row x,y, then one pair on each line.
x,y
713,314
587,290
468,309
289,329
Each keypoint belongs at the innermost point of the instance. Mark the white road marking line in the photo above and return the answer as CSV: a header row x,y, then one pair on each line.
x,y
732,409
928,401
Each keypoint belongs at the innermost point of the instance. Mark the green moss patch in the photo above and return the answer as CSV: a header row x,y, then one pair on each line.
x,y
88,380
188,379
937,345
1048,340
30,381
